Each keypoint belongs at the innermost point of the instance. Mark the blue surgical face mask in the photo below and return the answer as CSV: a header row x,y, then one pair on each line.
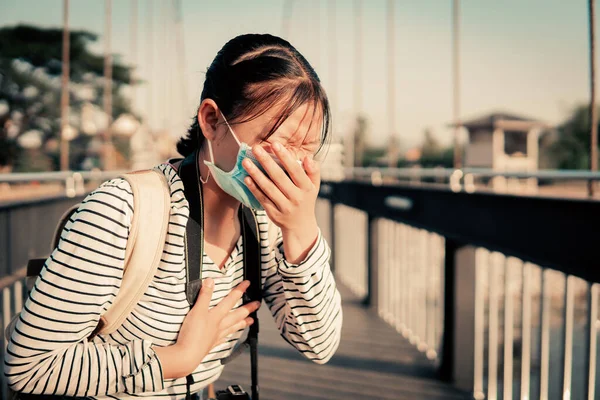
x,y
232,182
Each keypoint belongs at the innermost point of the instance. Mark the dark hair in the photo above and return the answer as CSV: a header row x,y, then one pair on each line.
x,y
252,73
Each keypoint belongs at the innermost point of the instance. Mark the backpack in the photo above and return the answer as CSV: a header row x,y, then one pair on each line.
x,y
152,201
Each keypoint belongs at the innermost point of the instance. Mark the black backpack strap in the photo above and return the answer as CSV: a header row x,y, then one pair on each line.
x,y
194,232
252,272
251,254
194,251
194,235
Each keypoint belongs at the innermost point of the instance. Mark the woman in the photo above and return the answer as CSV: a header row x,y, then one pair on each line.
x,y
259,92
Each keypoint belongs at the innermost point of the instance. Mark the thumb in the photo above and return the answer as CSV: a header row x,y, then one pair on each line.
x,y
206,292
312,170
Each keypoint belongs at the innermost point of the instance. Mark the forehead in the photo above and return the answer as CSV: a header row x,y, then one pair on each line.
x,y
302,126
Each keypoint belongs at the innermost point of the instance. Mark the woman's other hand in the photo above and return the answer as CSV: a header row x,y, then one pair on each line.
x,y
205,328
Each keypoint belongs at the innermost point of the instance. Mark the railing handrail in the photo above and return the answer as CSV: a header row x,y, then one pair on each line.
x,y
518,226
57,176
415,172
359,172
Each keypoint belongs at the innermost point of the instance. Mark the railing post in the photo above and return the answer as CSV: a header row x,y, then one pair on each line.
x,y
372,253
458,351
332,235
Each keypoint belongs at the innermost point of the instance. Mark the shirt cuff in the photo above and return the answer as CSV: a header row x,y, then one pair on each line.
x,y
317,259
142,372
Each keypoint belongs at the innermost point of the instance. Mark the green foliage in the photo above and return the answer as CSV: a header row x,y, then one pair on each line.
x,y
43,48
572,147
372,155
433,154
443,158
30,60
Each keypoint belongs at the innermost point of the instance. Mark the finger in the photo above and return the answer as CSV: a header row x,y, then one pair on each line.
x,y
291,165
262,198
232,298
313,170
206,292
275,172
265,184
238,314
241,325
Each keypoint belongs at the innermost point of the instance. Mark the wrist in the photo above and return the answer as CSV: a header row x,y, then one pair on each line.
x,y
297,242
174,361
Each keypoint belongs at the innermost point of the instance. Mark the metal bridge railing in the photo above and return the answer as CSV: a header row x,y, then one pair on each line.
x,y
500,291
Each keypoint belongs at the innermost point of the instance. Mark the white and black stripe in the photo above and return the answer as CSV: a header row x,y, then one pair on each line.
x,y
49,353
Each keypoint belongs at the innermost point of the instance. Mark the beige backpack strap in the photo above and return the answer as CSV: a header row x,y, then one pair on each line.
x,y
147,235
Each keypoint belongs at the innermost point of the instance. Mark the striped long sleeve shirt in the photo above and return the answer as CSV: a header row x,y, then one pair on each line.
x,y
49,353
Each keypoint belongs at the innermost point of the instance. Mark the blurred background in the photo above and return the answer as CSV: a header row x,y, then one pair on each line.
x,y
401,77
459,189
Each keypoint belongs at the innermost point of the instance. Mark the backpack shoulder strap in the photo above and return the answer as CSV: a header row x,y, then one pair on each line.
x,y
152,201
252,261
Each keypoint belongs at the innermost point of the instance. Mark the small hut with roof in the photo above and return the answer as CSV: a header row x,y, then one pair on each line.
x,y
503,142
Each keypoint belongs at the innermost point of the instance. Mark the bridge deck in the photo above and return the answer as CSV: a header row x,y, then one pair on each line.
x,y
372,362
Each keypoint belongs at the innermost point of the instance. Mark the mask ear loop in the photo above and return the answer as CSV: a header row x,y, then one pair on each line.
x,y
204,181
231,130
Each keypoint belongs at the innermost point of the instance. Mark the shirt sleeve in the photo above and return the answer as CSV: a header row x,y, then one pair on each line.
x,y
49,352
304,300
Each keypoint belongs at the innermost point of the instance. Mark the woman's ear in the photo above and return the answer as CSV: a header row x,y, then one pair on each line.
x,y
208,118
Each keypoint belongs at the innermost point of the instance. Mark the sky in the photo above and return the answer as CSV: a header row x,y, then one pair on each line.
x,y
527,57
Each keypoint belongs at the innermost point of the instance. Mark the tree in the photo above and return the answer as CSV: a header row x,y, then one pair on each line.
x,y
571,150
360,140
431,146
433,154
30,84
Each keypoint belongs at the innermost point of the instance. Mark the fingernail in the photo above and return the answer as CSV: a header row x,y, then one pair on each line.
x,y
259,150
209,283
277,146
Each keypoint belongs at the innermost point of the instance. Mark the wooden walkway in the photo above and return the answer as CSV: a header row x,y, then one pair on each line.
x,y
372,362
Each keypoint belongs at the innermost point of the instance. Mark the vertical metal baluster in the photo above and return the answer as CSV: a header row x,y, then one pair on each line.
x,y
396,277
545,337
364,253
413,303
592,333
388,248
480,268
6,316
440,300
508,329
401,279
423,288
383,268
568,337
390,267
18,297
352,255
526,334
390,282
493,329
406,281
431,286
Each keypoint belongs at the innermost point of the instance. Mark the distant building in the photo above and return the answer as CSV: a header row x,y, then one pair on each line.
x,y
503,142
